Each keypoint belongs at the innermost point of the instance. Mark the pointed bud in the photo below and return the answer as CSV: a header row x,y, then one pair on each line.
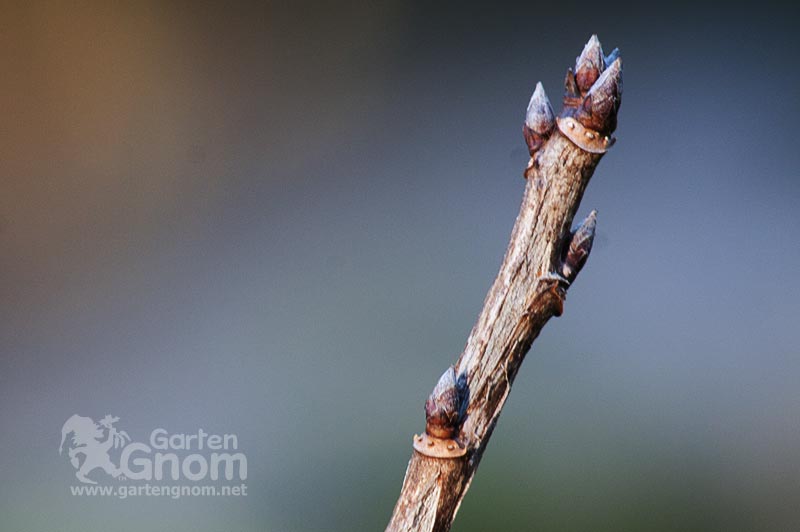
x,y
580,245
539,120
589,65
540,117
445,408
598,110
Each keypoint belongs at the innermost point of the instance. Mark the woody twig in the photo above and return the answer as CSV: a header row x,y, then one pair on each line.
x,y
543,259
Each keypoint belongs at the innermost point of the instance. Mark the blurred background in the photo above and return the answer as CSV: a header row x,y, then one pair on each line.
x,y
280,220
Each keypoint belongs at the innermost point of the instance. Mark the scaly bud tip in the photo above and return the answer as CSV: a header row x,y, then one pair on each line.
x,y
589,64
540,117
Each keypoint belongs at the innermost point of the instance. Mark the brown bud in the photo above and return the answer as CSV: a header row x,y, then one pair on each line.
x,y
445,408
598,110
580,245
589,65
539,120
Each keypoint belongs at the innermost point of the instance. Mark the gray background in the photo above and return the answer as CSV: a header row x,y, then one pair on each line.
x,y
281,222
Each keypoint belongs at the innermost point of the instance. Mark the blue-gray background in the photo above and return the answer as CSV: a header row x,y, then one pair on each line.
x,y
281,221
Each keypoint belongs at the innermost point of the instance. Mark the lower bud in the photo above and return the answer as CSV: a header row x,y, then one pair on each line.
x,y
444,413
445,407
580,245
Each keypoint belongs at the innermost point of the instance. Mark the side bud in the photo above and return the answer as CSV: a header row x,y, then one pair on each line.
x,y
539,120
580,245
444,412
444,409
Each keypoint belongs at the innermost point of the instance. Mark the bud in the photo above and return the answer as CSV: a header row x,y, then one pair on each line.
x,y
598,110
445,408
589,65
540,117
539,120
580,245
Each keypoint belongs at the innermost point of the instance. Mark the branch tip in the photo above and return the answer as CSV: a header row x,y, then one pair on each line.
x,y
598,109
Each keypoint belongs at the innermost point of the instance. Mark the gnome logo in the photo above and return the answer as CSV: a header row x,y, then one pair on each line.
x,y
90,445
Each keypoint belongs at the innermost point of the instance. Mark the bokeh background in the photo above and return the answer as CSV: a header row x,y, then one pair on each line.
x,y
280,220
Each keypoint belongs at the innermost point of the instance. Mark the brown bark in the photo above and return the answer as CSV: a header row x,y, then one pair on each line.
x,y
542,259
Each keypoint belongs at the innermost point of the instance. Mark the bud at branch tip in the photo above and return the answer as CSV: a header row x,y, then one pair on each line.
x,y
589,65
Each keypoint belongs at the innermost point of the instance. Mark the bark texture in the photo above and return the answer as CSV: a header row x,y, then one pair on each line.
x,y
542,259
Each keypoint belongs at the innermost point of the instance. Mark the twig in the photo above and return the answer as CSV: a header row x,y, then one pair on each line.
x,y
542,260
